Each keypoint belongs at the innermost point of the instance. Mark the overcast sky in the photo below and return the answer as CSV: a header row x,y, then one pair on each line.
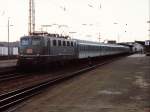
x,y
88,18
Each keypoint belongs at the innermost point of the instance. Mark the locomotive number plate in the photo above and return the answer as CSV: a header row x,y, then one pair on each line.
x,y
29,51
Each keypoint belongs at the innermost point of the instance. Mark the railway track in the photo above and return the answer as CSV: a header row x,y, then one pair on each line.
x,y
8,77
7,70
9,73
14,97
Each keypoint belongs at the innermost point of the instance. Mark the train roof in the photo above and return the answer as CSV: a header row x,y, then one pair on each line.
x,y
83,42
52,36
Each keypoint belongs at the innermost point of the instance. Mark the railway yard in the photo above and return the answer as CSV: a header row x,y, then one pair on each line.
x,y
76,56
117,85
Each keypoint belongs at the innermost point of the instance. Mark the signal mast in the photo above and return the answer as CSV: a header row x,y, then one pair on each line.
x,y
31,26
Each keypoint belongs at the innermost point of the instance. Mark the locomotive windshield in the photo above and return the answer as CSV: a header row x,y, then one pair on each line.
x,y
35,41
25,41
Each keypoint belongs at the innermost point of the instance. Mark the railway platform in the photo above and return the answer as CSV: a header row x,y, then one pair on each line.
x,y
8,63
120,86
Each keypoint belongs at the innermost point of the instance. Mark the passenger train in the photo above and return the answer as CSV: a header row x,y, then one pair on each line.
x,y
55,48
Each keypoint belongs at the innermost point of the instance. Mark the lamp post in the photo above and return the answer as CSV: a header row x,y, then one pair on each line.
x,y
118,37
99,37
8,26
149,20
8,37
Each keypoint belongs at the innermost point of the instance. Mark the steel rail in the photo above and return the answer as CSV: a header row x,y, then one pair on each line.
x,y
12,98
7,70
10,76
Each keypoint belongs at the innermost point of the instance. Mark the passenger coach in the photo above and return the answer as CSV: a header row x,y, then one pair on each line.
x,y
95,49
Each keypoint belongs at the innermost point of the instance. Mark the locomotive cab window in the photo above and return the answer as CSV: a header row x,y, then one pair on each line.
x,y
25,41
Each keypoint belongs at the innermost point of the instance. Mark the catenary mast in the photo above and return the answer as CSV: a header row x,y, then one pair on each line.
x,y
31,29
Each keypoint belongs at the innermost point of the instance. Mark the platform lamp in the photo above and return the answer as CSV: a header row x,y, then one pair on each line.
x,y
118,38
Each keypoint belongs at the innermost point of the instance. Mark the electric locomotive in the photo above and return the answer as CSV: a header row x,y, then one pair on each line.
x,y
44,49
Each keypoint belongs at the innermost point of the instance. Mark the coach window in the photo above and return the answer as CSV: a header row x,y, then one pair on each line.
x,y
54,43
59,42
